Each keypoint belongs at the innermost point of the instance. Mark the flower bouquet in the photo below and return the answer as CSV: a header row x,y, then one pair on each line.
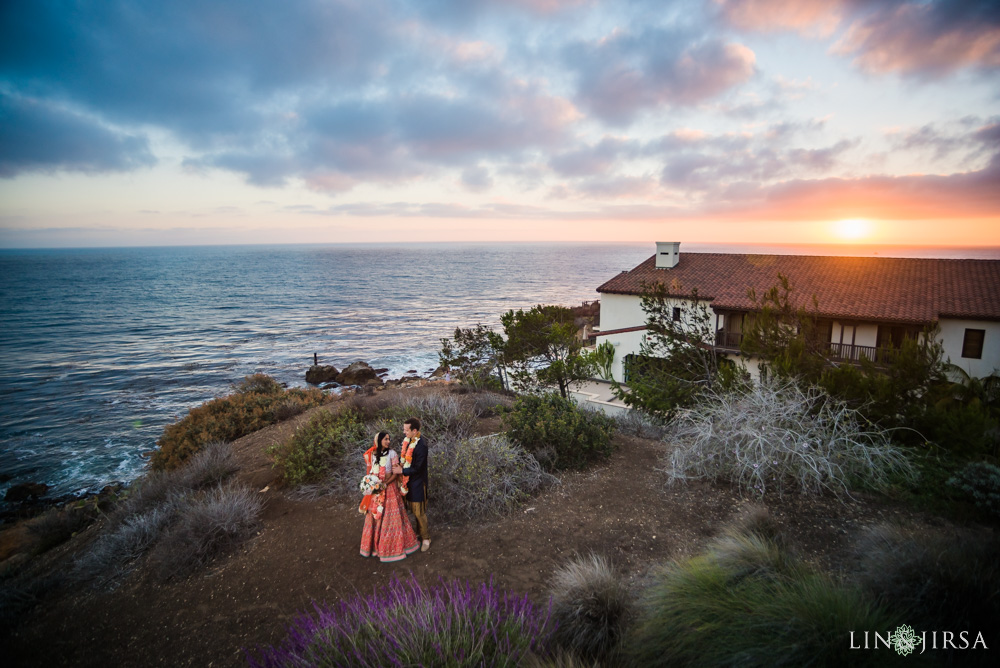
x,y
370,484
374,496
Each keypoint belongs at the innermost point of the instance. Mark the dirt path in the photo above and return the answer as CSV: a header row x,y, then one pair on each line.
x,y
308,550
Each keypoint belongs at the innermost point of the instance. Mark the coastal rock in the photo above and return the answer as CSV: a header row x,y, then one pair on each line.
x,y
381,372
25,491
440,372
322,373
358,373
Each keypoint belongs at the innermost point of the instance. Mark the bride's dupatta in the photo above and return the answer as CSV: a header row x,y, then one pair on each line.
x,y
366,500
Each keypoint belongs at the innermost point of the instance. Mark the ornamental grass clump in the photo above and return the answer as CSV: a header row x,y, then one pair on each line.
x,y
758,608
778,436
480,477
941,581
256,402
592,607
405,624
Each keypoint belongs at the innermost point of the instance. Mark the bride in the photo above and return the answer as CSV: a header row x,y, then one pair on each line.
x,y
387,533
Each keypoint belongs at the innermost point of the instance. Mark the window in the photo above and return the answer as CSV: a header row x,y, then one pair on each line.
x,y
677,314
972,346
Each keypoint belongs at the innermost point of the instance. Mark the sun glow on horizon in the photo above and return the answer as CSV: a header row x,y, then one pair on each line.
x,y
852,229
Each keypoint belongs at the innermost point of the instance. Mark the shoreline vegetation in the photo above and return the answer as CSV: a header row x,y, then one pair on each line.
x,y
762,524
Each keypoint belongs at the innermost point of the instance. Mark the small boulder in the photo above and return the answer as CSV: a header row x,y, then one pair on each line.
x,y
381,372
323,373
439,372
358,373
25,491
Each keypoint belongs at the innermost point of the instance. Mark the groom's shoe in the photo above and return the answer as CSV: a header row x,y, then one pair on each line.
x,y
425,546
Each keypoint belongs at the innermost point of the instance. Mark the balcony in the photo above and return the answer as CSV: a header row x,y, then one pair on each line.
x,y
728,340
840,352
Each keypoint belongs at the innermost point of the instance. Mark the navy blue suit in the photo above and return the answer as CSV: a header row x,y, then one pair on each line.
x,y
417,472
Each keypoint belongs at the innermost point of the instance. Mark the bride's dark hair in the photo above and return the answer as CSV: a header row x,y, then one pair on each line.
x,y
378,440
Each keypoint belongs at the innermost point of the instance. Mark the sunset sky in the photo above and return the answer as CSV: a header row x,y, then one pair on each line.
x,y
209,121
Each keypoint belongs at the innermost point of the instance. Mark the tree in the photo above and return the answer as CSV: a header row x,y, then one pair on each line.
x,y
542,348
475,355
677,359
787,340
898,388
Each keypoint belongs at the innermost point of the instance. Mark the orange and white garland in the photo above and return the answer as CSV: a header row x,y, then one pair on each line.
x,y
406,458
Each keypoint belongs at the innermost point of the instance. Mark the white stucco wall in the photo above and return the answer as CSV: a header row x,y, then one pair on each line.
x,y
625,343
620,311
952,336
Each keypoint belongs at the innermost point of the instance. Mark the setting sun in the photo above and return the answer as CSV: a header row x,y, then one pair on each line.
x,y
852,229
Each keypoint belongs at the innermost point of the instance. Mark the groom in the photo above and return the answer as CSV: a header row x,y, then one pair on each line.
x,y
416,498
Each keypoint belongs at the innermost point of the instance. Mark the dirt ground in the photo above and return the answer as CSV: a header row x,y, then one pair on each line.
x,y
308,550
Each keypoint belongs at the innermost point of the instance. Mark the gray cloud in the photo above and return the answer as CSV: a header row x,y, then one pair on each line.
x,y
918,38
624,74
36,136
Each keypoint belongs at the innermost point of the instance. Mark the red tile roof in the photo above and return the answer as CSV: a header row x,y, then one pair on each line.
x,y
904,290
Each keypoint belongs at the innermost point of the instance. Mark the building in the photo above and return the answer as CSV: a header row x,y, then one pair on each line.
x,y
862,303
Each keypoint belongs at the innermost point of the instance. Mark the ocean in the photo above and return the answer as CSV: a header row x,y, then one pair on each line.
x,y
102,348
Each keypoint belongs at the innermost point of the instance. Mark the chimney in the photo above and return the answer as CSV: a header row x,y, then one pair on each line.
x,y
668,254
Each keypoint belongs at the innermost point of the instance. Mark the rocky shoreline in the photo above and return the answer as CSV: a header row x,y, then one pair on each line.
x,y
27,500
360,374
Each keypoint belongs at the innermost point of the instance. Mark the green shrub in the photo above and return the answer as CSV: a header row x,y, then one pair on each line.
x,y
747,604
251,407
557,432
592,607
981,482
317,446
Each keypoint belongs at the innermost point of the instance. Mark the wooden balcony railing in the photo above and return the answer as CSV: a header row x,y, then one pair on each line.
x,y
724,339
838,351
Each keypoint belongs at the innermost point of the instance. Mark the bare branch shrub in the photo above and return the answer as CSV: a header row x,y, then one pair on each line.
x,y
20,594
114,553
481,477
287,409
634,422
210,466
780,436
439,414
208,526
593,607
485,404
56,526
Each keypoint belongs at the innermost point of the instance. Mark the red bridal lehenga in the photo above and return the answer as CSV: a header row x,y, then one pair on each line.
x,y
387,533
